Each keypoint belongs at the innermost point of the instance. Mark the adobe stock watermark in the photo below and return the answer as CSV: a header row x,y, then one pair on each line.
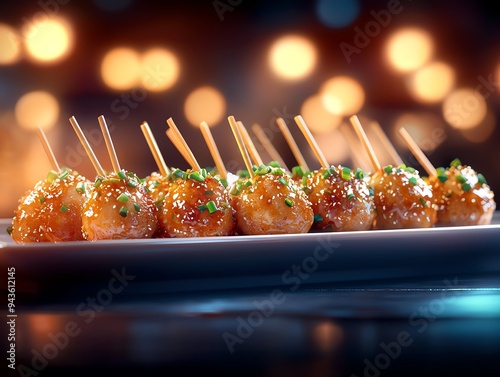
x,y
86,311
223,6
372,29
293,278
418,321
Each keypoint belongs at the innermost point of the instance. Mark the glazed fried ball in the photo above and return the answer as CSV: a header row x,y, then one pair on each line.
x,y
402,199
196,205
272,204
119,207
52,211
341,199
462,196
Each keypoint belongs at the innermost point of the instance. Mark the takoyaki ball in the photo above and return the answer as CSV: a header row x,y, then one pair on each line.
x,y
271,204
52,210
341,199
402,199
462,196
119,207
196,205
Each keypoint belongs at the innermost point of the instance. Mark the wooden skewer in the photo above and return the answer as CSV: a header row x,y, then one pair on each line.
x,y
366,143
178,145
214,151
250,145
109,144
417,152
357,152
48,150
292,144
241,146
93,159
155,151
268,146
192,159
312,142
386,143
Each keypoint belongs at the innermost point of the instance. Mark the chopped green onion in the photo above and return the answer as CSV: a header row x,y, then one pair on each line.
x,y
212,208
481,179
274,164
371,191
442,178
42,199
388,169
346,173
409,169
307,190
111,180
359,174
137,207
317,218
350,196
185,175
243,174
466,187
455,163
132,183
209,192
202,208
80,187
283,181
123,211
98,182
177,173
223,181
64,175
424,203
197,177
51,176
9,230
298,171
277,171
64,208
461,178
326,173
203,173
123,198
289,202
402,166
413,181
262,170
122,174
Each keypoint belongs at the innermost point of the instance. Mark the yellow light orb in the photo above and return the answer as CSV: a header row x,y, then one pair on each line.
x,y
159,69
10,45
120,68
464,108
49,40
432,83
292,57
317,117
409,49
37,109
342,95
205,104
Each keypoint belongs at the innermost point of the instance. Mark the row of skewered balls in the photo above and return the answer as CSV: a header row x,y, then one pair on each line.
x,y
65,206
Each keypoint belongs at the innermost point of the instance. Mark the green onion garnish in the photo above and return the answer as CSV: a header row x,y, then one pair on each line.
x,y
137,207
209,192
122,174
466,187
64,175
413,181
409,169
388,169
461,178
123,198
123,211
371,191
98,182
51,176
9,230
196,176
203,173
297,171
359,174
442,178
455,163
317,218
481,179
283,181
212,208
350,196
177,173
326,173
42,199
424,203
80,187
346,173
262,170
132,183
289,202
64,208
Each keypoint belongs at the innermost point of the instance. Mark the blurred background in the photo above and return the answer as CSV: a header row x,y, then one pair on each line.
x,y
432,67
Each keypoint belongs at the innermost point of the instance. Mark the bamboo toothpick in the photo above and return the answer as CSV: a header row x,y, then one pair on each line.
x,y
386,143
109,144
241,146
249,144
155,151
48,150
417,152
175,130
180,148
93,159
292,144
365,142
312,141
268,146
357,152
214,151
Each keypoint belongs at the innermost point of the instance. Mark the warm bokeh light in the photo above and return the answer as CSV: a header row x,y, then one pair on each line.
x,y
432,83
37,109
292,57
10,45
464,108
342,95
482,131
205,104
159,69
120,68
318,119
428,130
333,146
409,49
49,40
